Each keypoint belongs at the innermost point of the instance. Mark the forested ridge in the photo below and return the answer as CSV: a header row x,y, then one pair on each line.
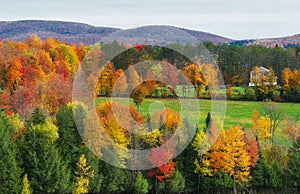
x,y
73,32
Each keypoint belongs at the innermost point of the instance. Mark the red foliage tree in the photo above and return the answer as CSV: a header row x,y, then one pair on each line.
x,y
164,171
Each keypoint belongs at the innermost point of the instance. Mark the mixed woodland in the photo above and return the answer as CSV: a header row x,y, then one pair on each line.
x,y
42,150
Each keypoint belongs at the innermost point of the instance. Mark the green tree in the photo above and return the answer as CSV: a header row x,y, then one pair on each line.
x,y
219,180
185,163
141,185
260,174
70,143
10,172
293,166
177,183
250,94
115,179
276,175
46,169
69,138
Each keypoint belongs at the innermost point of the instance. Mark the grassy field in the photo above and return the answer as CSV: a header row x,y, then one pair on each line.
x,y
237,112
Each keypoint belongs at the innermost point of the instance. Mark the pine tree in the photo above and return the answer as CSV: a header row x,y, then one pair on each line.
x,y
46,170
10,172
260,174
115,179
276,175
141,185
177,183
69,138
293,165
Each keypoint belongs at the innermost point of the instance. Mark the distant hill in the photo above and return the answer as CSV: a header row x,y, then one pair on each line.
x,y
162,34
281,42
207,37
78,32
65,31
72,32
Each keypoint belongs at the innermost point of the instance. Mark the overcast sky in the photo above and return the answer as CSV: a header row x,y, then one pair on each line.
x,y
236,19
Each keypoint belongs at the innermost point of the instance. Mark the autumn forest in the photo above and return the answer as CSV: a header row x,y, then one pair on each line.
x,y
44,150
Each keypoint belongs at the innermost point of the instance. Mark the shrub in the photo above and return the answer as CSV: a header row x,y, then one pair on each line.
x,y
249,94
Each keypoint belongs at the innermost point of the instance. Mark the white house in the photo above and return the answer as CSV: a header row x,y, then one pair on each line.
x,y
261,70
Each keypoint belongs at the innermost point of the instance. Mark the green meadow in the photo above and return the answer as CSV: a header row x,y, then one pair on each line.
x,y
237,112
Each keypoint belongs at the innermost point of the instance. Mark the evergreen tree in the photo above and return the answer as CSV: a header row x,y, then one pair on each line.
x,y
37,117
260,174
141,185
69,137
177,183
115,179
208,121
46,169
10,172
276,175
293,166
219,180
185,163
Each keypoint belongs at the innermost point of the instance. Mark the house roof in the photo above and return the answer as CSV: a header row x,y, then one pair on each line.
x,y
262,69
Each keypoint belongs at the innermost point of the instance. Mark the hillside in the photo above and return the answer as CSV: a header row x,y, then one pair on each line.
x,y
281,42
65,31
72,32
77,32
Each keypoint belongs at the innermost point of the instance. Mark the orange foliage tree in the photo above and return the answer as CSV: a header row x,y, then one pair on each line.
x,y
230,154
193,73
37,73
150,81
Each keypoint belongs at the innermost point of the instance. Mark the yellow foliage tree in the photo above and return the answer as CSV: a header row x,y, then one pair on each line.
x,y
83,174
152,138
47,130
260,126
201,145
210,75
26,186
285,77
229,155
235,155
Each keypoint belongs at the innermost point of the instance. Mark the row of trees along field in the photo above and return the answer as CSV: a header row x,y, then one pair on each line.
x,y
43,152
38,68
234,62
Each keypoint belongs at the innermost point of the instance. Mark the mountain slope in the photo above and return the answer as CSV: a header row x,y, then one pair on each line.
x,y
72,32
65,31
77,32
282,42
